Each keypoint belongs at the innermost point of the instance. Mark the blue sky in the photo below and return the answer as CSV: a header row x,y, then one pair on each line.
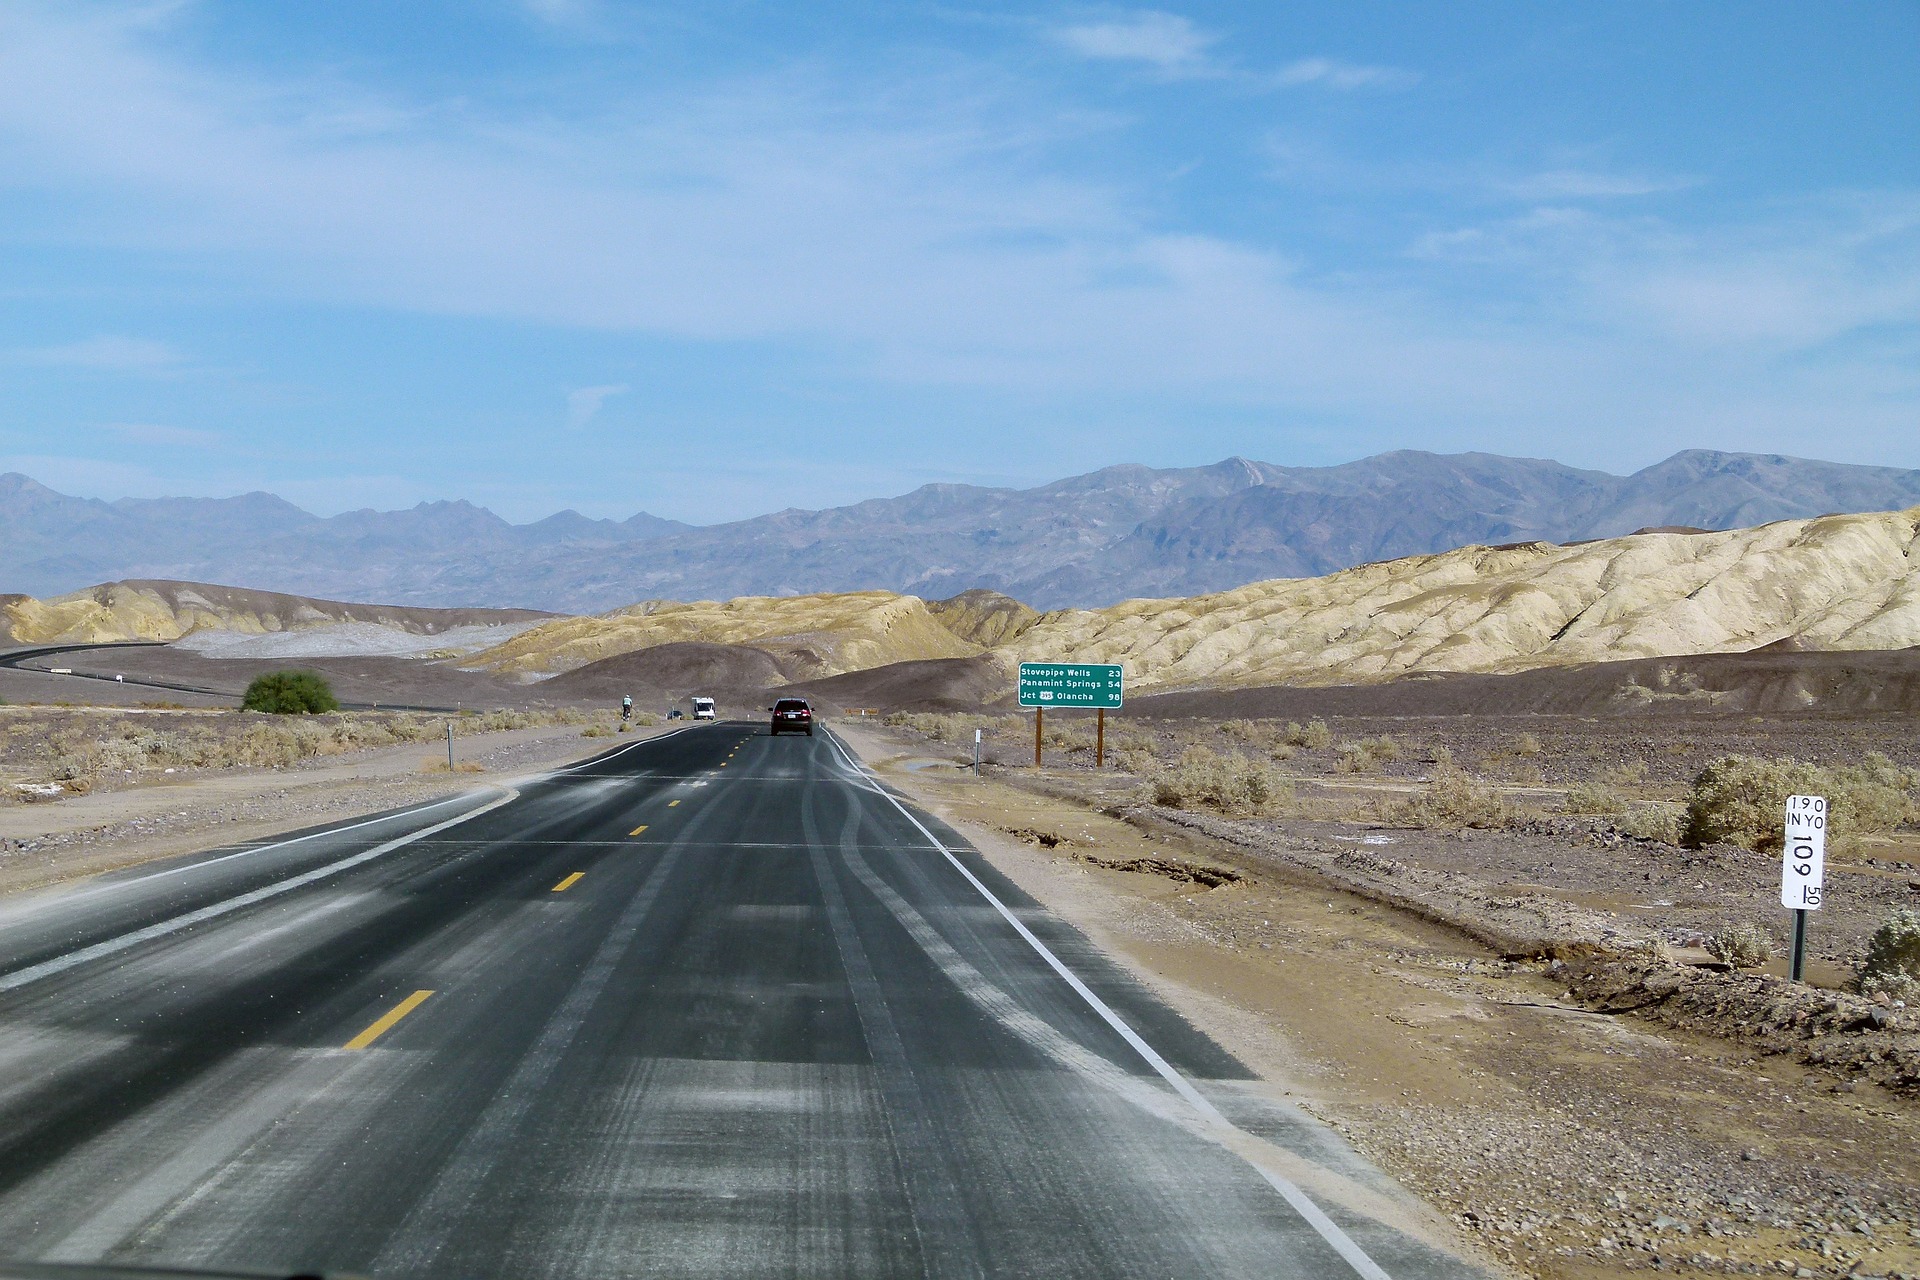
x,y
714,260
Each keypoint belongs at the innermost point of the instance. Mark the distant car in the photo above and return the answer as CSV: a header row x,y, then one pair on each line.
x,y
793,715
703,708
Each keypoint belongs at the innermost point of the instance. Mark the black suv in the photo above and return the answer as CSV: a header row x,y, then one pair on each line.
x,y
794,714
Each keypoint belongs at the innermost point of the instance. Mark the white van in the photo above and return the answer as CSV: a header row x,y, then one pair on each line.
x,y
703,708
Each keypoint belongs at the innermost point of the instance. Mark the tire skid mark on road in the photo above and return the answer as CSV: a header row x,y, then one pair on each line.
x,y
1044,1037
943,1230
111,946
437,1217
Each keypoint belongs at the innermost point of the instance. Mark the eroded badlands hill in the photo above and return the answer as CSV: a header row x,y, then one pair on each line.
x,y
1834,583
807,636
160,610
1837,582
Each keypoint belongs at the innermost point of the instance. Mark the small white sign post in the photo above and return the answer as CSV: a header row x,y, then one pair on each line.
x,y
1803,869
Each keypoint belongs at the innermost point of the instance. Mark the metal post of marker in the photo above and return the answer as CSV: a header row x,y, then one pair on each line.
x,y
1803,856
1100,738
976,753
449,746
1039,717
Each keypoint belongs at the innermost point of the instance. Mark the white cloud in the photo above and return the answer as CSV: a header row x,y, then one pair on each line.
x,y
585,403
150,433
1164,40
1586,184
108,352
912,230
1330,73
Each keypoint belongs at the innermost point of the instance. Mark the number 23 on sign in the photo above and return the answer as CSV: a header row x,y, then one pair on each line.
x,y
1803,860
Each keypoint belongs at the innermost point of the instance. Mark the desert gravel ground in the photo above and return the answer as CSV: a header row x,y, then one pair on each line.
x,y
1563,1140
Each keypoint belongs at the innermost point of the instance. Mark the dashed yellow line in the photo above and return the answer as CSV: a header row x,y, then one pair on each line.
x,y
386,1020
637,830
569,882
672,803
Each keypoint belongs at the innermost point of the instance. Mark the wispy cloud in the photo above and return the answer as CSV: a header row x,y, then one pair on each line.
x,y
585,403
1588,184
108,352
1330,73
912,231
1163,40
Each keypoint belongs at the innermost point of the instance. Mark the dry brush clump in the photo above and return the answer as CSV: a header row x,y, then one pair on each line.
x,y
80,757
1236,785
1365,755
1744,946
949,727
1892,966
1314,735
1454,798
1741,800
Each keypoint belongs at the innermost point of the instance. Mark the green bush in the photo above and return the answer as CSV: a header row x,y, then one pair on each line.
x,y
290,693
1893,959
1742,799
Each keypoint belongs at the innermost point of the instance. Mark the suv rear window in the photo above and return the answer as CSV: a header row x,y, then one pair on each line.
x,y
790,704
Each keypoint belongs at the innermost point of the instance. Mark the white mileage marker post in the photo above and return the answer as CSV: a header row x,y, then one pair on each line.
x,y
1803,869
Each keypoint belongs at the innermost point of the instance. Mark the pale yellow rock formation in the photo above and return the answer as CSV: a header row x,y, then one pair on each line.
x,y
1837,582
809,636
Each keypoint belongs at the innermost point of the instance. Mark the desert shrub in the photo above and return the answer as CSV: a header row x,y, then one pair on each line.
x,y
1595,797
1654,822
1364,755
1744,946
1527,745
1742,799
1135,759
1893,959
946,727
1454,798
1231,784
1315,736
296,693
596,731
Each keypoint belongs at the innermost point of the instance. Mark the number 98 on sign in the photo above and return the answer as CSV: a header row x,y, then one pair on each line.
x,y
1803,859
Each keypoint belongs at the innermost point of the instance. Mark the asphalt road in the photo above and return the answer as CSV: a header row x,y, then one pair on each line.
x,y
713,1004
40,659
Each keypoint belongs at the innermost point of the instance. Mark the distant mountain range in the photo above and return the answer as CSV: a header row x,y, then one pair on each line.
x,y
1089,540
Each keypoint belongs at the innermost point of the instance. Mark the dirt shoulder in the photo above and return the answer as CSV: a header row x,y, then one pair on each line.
x,y
1563,1138
81,835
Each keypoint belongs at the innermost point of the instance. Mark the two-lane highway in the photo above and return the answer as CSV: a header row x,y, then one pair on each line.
x,y
713,1004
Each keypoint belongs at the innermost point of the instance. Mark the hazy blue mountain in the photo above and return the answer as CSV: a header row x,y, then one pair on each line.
x,y
1086,540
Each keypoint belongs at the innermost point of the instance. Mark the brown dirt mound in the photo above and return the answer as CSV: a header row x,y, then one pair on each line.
x,y
1775,679
930,684
735,674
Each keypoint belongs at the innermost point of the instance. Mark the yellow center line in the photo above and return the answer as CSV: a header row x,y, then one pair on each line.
x,y
672,803
637,830
387,1019
569,882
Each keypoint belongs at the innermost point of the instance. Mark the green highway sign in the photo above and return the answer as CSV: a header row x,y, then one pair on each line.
x,y
1070,684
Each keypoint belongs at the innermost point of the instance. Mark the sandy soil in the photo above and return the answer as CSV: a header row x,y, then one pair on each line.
x,y
1564,1141
77,836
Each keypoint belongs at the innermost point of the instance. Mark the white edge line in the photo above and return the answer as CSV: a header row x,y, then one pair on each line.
x,y
1329,1230
281,844
59,964
116,885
